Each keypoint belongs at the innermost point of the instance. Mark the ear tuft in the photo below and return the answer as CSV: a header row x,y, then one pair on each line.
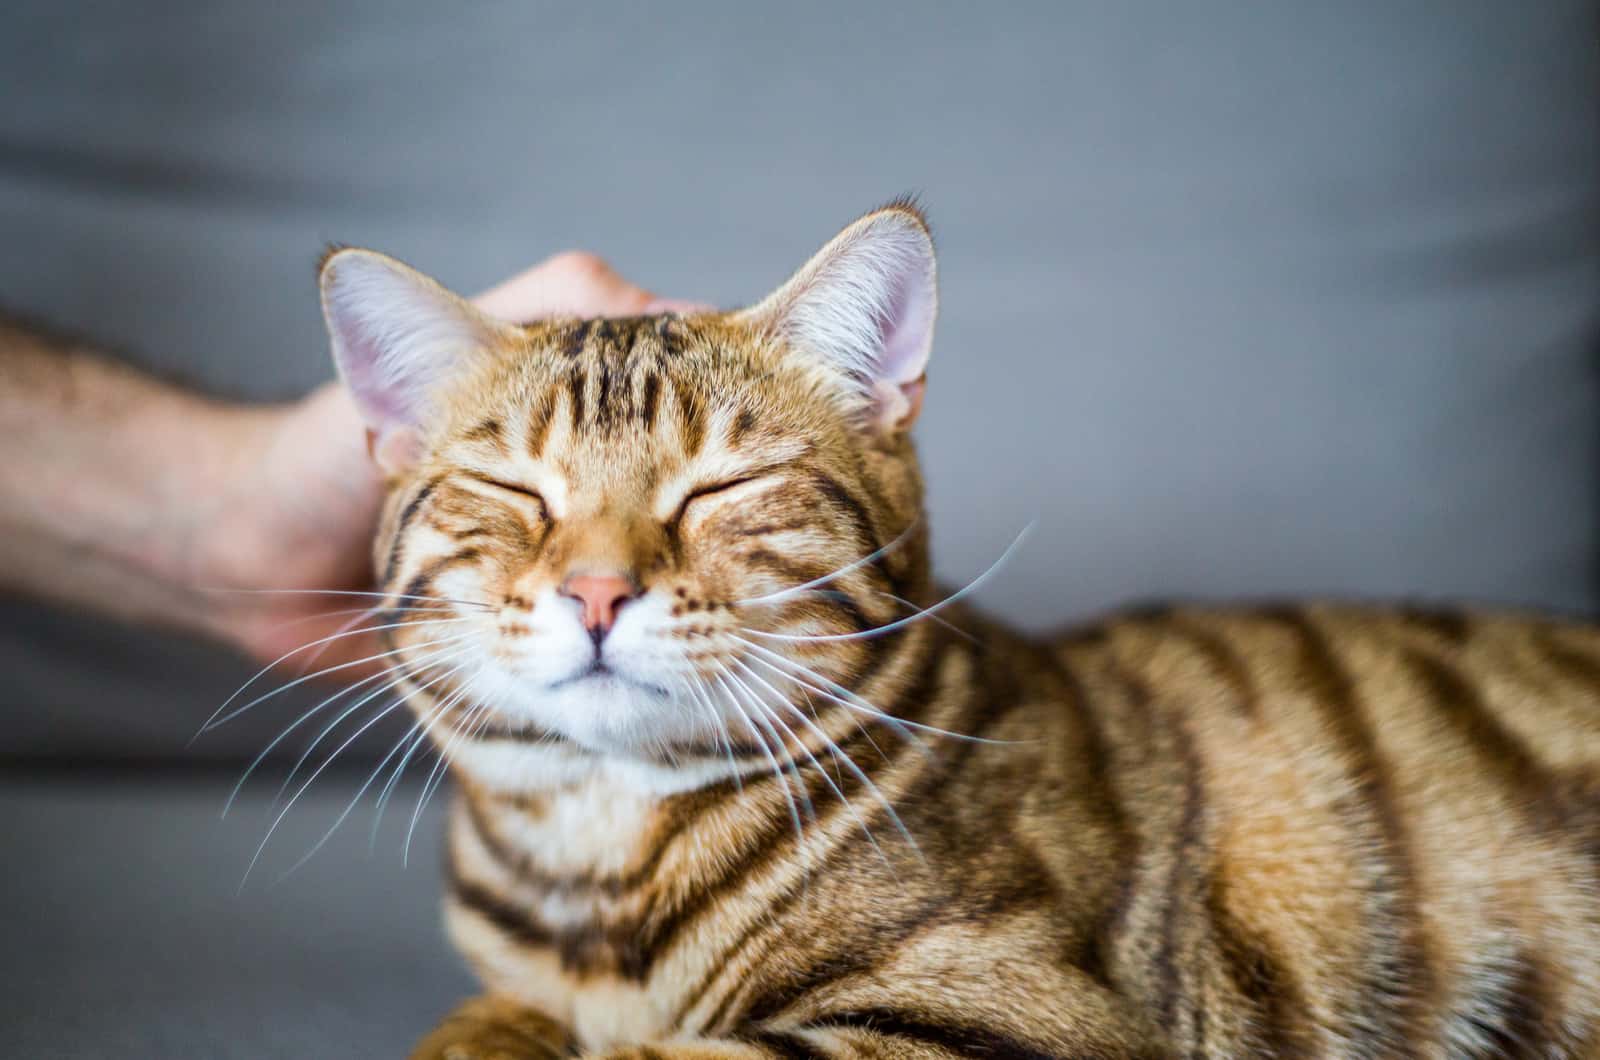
x,y
397,337
864,307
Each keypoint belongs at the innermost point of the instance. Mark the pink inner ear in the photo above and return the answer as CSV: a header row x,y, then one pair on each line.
x,y
397,335
380,397
907,328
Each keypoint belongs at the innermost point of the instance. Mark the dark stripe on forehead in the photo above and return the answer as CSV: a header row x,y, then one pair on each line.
x,y
667,332
577,383
648,399
577,339
603,412
691,420
618,336
539,428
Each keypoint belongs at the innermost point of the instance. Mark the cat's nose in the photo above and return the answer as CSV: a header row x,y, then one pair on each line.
x,y
601,596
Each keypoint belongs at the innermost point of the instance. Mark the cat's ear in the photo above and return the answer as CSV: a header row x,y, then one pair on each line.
x,y
864,307
397,336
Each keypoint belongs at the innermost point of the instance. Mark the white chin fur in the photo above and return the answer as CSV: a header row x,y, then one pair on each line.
x,y
604,714
635,710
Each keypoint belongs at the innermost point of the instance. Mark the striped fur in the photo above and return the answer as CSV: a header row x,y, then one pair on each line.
x,y
1313,831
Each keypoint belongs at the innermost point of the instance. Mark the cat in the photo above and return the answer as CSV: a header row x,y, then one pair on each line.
x,y
732,782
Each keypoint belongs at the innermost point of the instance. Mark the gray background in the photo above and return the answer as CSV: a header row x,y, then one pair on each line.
x,y
1240,298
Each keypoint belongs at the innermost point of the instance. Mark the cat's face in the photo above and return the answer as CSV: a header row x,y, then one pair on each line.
x,y
633,526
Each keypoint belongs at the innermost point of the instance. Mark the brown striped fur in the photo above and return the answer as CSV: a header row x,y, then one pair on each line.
x,y
1299,831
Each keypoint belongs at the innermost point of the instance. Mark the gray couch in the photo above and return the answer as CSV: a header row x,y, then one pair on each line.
x,y
1239,299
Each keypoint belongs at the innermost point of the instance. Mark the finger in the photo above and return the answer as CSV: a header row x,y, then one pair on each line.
x,y
574,283
329,415
681,306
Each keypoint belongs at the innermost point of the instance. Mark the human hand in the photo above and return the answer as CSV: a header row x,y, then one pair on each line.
x,y
281,549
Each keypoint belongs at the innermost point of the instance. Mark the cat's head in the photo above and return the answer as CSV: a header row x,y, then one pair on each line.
x,y
625,533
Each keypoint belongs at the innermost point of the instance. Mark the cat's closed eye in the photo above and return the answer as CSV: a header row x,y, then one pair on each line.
x,y
713,491
514,492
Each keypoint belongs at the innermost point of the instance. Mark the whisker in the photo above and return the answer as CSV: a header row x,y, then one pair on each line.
x,y
375,612
436,778
842,757
719,731
789,764
410,668
458,730
834,691
216,722
352,592
834,750
354,802
385,672
861,726
213,722
319,616
419,738
315,657
800,675
777,773
922,613
841,572
937,619
379,716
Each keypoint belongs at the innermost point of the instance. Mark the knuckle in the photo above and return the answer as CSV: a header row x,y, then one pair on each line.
x,y
583,265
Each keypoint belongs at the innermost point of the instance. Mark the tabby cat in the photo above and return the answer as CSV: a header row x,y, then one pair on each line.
x,y
727,785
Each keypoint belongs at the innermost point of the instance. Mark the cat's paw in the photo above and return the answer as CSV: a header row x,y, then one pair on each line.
x,y
489,1028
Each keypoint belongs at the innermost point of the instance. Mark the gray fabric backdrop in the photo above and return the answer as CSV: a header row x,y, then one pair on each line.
x,y
1239,298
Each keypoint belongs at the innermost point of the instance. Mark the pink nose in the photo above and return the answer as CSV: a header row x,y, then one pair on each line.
x,y
602,596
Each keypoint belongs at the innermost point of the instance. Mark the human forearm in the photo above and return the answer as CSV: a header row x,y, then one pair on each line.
x,y
103,476
251,523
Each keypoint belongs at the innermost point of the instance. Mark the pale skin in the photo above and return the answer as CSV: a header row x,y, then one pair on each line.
x,y
132,498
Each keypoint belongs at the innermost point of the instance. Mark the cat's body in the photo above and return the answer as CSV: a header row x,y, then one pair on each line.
x,y
726,789
1320,831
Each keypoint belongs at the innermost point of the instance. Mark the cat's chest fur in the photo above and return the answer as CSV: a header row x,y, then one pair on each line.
x,y
570,868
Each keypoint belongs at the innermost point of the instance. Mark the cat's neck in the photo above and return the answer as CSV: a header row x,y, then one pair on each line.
x,y
508,766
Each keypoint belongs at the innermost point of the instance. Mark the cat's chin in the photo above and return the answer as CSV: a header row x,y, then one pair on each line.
x,y
601,711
